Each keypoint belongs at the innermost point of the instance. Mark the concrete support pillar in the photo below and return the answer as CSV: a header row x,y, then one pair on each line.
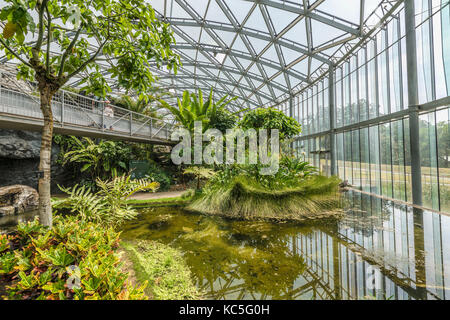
x,y
331,116
413,97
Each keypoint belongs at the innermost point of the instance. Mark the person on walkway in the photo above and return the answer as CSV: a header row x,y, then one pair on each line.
x,y
109,112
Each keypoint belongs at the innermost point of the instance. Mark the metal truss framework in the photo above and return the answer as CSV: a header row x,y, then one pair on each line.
x,y
262,51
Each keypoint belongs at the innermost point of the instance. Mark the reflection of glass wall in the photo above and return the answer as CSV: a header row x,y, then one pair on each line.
x,y
443,151
372,83
416,266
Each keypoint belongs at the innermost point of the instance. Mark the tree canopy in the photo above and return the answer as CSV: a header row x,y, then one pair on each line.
x,y
58,40
270,118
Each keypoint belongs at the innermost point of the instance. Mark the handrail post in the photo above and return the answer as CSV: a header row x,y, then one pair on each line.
x,y
103,116
151,127
131,123
62,108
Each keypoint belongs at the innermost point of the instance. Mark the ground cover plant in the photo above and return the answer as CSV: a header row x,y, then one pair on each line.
x,y
74,259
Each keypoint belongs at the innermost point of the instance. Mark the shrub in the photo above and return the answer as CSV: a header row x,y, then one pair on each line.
x,y
291,170
157,174
100,159
75,259
271,118
222,120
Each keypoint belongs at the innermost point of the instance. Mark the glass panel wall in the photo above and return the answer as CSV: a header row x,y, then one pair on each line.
x,y
370,86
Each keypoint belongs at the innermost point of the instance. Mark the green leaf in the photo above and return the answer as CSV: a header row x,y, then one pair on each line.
x,y
85,167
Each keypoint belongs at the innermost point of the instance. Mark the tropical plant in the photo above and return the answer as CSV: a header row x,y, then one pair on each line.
x,y
98,159
222,120
157,174
129,38
291,170
296,167
109,205
199,173
271,118
192,108
73,260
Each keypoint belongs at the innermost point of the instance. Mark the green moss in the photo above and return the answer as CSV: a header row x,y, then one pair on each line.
x,y
164,268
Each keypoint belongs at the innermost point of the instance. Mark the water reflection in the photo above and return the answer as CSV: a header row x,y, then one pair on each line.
x,y
8,223
380,250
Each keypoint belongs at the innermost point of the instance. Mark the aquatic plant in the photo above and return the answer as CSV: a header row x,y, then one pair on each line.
x,y
246,198
163,268
229,259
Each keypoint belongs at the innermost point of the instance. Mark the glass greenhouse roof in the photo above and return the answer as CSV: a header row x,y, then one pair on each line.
x,y
263,51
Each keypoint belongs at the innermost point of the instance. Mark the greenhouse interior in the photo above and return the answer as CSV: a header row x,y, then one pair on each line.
x,y
225,150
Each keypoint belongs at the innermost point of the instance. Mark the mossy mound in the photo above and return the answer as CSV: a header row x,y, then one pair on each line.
x,y
163,268
314,198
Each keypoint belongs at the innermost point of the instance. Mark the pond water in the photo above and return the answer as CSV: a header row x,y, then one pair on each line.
x,y
9,223
380,250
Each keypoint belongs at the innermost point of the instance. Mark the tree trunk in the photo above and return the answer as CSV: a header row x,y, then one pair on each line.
x,y
45,207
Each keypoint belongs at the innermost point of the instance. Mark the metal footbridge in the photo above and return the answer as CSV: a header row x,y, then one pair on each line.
x,y
78,115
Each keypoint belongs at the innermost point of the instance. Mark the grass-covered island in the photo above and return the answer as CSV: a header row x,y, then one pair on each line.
x,y
294,193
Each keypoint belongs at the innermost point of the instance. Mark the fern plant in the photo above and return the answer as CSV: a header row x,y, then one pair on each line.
x,y
109,205
97,159
82,201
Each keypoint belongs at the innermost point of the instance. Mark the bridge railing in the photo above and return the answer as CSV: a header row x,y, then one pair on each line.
x,y
77,110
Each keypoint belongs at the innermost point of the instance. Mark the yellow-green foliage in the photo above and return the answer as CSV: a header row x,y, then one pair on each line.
x,y
244,198
164,268
36,262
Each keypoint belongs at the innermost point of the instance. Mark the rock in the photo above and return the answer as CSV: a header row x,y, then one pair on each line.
x,y
7,211
19,160
18,199
19,144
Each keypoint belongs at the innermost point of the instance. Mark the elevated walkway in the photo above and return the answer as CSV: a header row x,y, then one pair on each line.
x,y
79,115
